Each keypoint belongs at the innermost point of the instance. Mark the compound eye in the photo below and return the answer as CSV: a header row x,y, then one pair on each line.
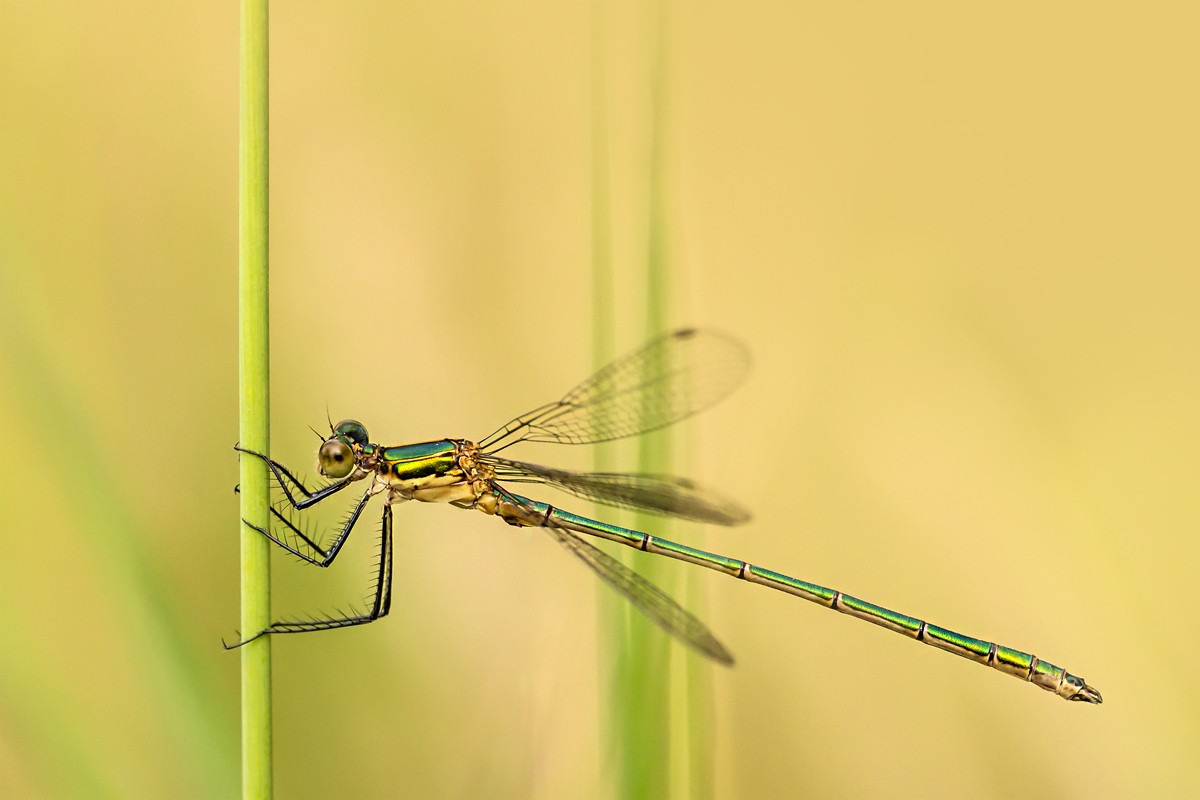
x,y
336,459
352,430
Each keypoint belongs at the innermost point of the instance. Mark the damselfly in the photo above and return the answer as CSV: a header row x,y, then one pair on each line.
x,y
666,381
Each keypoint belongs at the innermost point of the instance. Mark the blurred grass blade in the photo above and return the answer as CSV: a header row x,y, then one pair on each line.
x,y
254,405
645,674
701,753
34,699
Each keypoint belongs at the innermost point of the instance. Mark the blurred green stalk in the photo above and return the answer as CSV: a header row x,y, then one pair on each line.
x,y
647,735
254,405
645,671
638,717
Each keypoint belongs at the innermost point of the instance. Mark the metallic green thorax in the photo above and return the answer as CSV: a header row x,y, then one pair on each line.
x,y
422,460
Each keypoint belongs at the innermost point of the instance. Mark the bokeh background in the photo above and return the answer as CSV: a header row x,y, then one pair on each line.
x,y
961,242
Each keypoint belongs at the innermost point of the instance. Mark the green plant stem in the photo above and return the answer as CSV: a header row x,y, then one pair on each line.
x,y
254,405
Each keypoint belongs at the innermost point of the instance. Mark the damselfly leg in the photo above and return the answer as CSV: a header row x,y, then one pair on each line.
x,y
296,541
381,600
280,472
311,498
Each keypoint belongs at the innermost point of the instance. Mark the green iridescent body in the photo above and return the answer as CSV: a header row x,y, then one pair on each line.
x,y
668,380
430,472
417,465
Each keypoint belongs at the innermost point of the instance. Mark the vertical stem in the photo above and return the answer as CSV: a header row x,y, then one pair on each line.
x,y
254,405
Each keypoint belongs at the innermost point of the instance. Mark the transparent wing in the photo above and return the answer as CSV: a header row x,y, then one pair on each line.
x,y
661,494
652,601
671,378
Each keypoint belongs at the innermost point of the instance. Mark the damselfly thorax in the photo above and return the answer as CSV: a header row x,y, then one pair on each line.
x,y
442,471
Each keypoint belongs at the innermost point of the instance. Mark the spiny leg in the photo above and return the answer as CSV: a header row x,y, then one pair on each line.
x,y
381,604
326,558
280,471
383,590
295,530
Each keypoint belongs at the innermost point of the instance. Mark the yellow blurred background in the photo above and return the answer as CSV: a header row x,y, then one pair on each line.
x,y
960,241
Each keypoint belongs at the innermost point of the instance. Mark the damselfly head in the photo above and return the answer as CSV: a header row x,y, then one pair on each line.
x,y
336,459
